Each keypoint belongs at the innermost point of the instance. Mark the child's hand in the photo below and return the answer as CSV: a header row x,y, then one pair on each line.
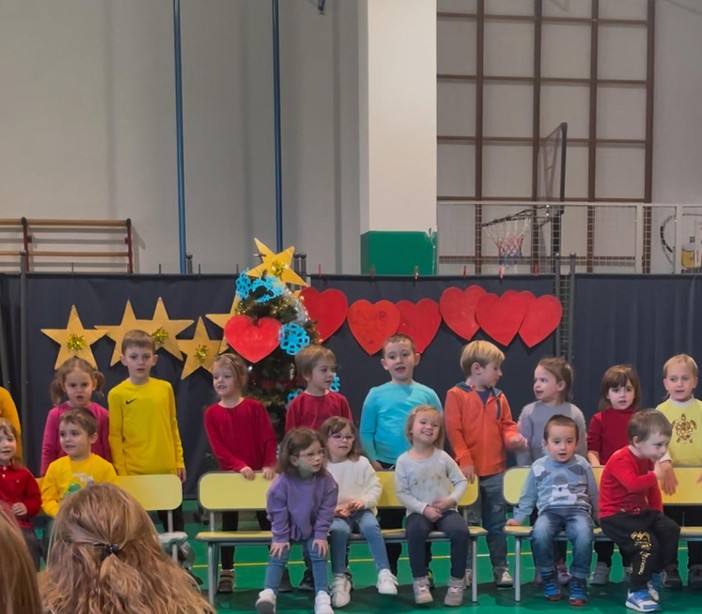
x,y
247,472
19,509
665,473
277,549
469,472
268,473
377,466
342,511
321,545
432,513
355,505
180,472
443,504
511,522
518,443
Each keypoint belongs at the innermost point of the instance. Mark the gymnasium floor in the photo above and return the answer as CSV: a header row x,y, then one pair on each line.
x,y
251,563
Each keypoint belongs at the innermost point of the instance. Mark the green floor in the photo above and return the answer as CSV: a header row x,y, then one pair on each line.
x,y
251,565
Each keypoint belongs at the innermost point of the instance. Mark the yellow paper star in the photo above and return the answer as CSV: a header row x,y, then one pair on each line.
x,y
221,319
200,351
278,265
74,339
166,330
129,322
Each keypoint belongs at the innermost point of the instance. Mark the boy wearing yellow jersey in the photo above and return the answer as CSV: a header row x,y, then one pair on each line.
x,y
80,467
144,434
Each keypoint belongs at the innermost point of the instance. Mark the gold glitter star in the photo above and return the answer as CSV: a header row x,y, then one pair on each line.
x,y
74,340
200,351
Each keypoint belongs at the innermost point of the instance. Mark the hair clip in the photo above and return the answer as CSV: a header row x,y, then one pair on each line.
x,y
110,549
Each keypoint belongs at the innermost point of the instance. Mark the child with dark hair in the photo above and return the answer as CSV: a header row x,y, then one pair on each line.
x,y
631,508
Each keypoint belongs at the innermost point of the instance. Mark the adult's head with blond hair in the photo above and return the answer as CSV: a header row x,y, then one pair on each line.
x,y
105,558
18,578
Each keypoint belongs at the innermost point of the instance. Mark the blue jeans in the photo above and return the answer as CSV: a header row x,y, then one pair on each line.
x,y
276,566
577,525
493,514
366,523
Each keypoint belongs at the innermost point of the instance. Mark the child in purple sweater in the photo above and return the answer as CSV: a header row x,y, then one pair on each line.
x,y
300,505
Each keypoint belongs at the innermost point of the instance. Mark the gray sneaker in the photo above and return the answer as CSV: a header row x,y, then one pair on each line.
x,y
454,593
502,577
422,593
600,575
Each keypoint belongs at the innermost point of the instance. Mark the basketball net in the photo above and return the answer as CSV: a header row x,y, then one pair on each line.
x,y
508,237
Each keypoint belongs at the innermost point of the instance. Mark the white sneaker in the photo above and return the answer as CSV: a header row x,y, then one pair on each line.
x,y
387,583
265,604
600,575
502,577
322,603
340,591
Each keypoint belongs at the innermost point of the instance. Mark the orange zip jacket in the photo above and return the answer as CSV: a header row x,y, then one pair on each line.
x,y
479,433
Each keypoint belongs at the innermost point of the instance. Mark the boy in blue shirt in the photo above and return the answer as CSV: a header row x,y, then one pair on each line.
x,y
563,487
384,416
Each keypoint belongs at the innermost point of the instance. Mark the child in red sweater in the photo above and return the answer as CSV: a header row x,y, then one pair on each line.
x,y
18,488
242,439
620,398
631,508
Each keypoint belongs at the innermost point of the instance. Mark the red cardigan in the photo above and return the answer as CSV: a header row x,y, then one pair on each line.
x,y
17,485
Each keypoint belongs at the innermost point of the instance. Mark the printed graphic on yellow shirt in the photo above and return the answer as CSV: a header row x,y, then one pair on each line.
x,y
78,482
683,429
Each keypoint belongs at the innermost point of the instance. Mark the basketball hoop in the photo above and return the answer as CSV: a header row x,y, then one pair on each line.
x,y
508,236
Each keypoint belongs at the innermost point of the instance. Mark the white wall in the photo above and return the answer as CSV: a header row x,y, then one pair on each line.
x,y
88,128
88,116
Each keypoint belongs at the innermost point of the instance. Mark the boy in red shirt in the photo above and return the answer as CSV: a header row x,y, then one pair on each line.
x,y
631,508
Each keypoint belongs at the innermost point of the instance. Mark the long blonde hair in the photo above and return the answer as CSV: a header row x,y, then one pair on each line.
x,y
105,558
18,578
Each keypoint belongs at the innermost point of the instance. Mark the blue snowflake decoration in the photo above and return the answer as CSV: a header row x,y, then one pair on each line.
x,y
293,338
243,285
336,384
266,289
292,394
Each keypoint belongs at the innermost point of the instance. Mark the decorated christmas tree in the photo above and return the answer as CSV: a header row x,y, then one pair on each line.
x,y
270,326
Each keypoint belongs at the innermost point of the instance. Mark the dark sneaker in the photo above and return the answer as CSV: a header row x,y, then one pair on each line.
x,y
578,592
307,582
285,584
671,578
226,581
551,588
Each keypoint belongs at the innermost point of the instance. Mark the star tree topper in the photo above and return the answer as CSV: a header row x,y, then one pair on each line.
x,y
278,265
74,340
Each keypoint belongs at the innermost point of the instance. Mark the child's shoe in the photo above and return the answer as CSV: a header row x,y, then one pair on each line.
x,y
387,583
578,591
502,577
422,593
265,604
563,575
307,582
340,591
469,578
694,577
672,578
641,601
226,581
600,575
551,588
454,593
655,584
322,603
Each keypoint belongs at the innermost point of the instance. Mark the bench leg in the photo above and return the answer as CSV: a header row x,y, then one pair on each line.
x,y
211,573
517,569
474,585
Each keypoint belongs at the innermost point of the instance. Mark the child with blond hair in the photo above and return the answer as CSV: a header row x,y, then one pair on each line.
x,y
480,429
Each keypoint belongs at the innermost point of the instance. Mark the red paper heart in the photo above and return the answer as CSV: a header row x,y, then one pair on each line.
x,y
419,322
327,308
458,310
252,340
372,323
501,316
542,317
